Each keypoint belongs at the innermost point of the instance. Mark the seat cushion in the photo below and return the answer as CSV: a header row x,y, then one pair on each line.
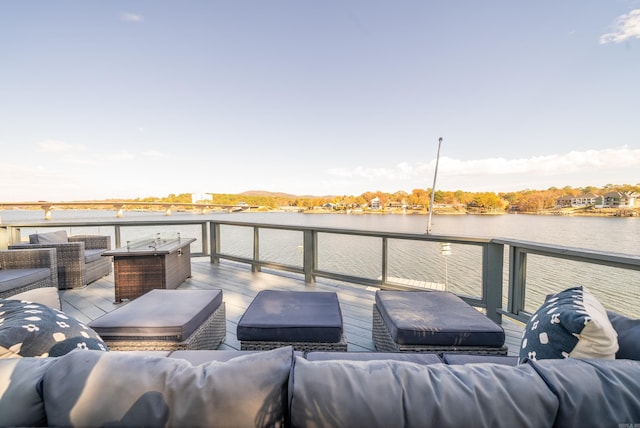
x,y
170,314
436,318
292,316
93,255
16,278
412,357
455,359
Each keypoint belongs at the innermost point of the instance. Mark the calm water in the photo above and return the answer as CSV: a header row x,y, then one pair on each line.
x,y
461,271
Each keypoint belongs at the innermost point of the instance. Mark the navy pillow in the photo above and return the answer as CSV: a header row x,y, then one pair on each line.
x,y
33,330
628,330
571,323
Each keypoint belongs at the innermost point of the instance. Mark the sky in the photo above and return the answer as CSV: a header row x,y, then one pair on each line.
x,y
127,99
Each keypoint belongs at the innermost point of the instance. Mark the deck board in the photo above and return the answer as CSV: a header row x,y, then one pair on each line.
x,y
240,286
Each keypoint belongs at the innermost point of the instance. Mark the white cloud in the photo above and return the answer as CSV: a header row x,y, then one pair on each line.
x,y
626,27
156,154
556,164
131,17
55,146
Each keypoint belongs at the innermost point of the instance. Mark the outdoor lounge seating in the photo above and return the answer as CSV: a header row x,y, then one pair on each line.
x,y
433,321
23,270
306,320
165,320
79,257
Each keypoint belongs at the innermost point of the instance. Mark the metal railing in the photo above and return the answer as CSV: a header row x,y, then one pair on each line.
x,y
492,297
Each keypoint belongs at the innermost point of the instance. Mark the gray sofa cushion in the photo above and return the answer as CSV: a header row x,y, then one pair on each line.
x,y
397,393
47,296
436,318
15,278
174,314
35,330
413,357
116,389
593,393
628,330
57,237
20,403
292,316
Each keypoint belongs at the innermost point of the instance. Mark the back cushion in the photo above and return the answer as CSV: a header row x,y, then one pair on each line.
x,y
20,403
387,393
58,237
117,389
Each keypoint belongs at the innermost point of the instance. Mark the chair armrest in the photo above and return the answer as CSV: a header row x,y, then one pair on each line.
x,y
31,258
93,242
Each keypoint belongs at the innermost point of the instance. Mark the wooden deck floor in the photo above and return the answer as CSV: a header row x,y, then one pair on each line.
x,y
240,286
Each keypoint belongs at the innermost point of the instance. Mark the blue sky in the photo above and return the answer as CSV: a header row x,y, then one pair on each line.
x,y
124,99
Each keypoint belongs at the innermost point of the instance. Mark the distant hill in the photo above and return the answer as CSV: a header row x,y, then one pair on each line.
x,y
279,194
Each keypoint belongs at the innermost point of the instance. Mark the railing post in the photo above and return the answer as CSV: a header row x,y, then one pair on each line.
x,y
214,237
255,266
310,255
205,241
517,279
385,259
492,270
117,236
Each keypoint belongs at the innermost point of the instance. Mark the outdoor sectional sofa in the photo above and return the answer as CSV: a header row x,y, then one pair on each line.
x,y
282,388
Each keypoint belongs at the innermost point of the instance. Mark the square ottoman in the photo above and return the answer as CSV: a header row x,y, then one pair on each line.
x,y
306,320
165,320
433,321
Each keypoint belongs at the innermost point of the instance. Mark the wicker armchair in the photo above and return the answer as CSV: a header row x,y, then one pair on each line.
x,y
24,270
80,260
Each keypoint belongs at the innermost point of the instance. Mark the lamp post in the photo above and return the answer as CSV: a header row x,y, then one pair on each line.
x,y
433,188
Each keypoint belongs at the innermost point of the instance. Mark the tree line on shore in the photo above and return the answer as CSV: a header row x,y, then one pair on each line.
x,y
523,200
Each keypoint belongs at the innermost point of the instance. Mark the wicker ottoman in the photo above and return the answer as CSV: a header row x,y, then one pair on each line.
x,y
308,321
165,320
433,321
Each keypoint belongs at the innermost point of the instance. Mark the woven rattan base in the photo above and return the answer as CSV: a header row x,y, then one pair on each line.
x,y
208,336
385,343
259,345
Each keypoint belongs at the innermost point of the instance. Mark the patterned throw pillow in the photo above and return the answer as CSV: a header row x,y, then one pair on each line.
x,y
33,330
570,324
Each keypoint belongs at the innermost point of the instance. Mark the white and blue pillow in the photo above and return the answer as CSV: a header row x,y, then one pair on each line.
x,y
570,324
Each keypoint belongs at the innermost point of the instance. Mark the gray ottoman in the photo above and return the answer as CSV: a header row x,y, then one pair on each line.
x,y
165,320
433,321
306,320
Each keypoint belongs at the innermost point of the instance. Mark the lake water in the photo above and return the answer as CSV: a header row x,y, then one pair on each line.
x,y
461,271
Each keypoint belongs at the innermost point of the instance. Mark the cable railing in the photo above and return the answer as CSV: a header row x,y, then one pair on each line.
x,y
502,277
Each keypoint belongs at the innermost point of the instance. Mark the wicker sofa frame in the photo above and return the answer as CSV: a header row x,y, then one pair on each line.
x,y
73,271
259,345
384,342
28,259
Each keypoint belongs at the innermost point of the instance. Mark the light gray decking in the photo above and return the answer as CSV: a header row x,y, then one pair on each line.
x,y
240,286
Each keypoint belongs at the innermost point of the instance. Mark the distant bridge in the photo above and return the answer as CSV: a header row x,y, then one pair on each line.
x,y
120,206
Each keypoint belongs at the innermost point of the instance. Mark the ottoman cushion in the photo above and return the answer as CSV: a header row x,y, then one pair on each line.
x,y
292,316
173,314
436,318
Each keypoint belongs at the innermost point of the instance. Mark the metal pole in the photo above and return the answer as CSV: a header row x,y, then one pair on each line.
x,y
433,189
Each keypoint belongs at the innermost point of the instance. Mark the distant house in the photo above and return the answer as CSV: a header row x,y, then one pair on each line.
x,y
375,203
620,200
585,200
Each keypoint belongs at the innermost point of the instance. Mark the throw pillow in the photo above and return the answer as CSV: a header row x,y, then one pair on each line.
x,y
570,324
34,330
